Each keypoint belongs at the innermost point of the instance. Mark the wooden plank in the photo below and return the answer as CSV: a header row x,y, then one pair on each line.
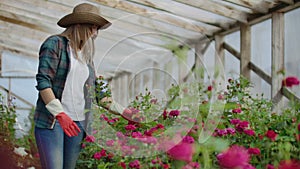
x,y
231,50
277,52
258,6
260,73
122,5
217,8
245,50
176,8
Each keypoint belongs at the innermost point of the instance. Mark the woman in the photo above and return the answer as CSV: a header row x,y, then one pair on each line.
x,y
64,72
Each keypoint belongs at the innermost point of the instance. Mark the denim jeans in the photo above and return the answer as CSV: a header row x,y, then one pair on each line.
x,y
56,149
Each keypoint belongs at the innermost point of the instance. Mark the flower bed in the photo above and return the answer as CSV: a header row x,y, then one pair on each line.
x,y
247,135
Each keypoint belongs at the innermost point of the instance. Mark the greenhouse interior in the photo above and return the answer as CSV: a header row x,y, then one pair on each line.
x,y
209,83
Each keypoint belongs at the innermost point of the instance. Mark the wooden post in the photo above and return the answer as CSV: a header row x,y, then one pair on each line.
x,y
245,50
277,55
220,53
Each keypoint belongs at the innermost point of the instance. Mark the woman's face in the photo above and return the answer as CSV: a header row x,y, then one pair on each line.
x,y
94,32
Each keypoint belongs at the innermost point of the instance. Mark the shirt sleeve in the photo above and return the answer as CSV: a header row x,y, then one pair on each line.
x,y
48,63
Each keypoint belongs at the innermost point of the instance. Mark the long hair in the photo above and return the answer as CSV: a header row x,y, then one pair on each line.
x,y
81,40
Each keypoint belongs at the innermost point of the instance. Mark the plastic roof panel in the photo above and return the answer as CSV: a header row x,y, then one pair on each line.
x,y
142,26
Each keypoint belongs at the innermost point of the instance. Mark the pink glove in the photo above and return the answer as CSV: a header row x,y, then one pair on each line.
x,y
67,124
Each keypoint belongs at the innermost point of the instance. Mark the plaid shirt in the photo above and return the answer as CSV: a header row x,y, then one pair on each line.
x,y
54,65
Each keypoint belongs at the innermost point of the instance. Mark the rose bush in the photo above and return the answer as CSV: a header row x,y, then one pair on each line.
x,y
165,134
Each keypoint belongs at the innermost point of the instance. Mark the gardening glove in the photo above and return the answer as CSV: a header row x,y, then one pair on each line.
x,y
123,112
69,127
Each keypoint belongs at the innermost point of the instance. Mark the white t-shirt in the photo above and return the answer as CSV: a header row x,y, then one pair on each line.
x,y
73,95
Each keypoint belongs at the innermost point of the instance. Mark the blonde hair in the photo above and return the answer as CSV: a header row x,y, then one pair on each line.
x,y
80,36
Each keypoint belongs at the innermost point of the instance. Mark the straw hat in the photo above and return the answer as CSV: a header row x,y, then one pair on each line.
x,y
84,13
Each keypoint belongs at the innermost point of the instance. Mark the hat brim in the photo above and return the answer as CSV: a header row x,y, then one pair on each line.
x,y
83,18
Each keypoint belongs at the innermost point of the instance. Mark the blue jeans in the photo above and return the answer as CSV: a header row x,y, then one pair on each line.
x,y
56,149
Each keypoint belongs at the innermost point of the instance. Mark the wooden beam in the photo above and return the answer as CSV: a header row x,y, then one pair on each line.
x,y
289,94
258,6
260,73
231,50
122,5
217,8
290,2
277,52
259,19
175,8
245,50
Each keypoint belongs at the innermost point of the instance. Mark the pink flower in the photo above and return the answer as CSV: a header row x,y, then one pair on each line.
x,y
230,130
90,139
248,166
135,164
174,113
102,116
182,151
130,127
254,151
289,164
120,134
188,139
235,121
110,142
269,166
136,134
234,157
290,81
237,110
271,134
220,97
249,132
221,132
97,156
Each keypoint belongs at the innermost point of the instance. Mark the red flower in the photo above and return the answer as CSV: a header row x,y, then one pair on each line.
x,y
234,157
290,81
97,155
90,139
235,121
269,166
165,166
182,151
254,151
289,164
123,165
271,134
237,110
130,127
174,113
299,127
209,88
249,132
135,164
